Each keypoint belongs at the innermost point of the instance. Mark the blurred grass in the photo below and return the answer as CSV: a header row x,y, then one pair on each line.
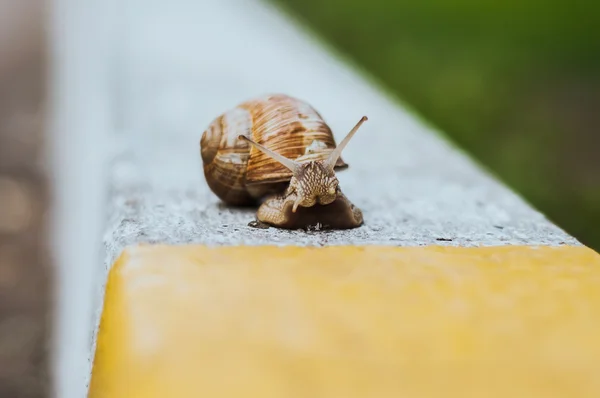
x,y
516,84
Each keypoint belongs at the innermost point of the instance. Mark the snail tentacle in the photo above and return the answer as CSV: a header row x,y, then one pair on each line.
x,y
337,152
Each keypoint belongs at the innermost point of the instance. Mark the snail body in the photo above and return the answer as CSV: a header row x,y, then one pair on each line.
x,y
278,150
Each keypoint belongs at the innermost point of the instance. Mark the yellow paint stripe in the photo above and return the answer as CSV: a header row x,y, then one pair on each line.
x,y
348,322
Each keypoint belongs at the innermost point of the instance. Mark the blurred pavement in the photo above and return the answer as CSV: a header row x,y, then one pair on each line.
x,y
25,278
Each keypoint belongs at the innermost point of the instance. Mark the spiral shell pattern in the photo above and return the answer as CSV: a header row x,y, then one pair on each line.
x,y
240,174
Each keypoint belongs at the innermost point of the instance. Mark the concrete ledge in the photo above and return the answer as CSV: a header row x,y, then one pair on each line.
x,y
350,322
454,284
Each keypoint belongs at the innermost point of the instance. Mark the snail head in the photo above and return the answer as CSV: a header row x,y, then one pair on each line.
x,y
313,181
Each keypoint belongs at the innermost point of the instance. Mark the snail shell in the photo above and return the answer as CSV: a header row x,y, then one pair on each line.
x,y
240,174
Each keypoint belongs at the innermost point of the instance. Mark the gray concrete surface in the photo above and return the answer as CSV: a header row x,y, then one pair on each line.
x,y
186,62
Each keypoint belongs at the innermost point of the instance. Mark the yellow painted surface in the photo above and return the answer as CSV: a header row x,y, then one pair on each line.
x,y
349,322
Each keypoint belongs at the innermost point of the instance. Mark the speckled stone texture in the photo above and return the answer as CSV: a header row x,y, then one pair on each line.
x,y
177,75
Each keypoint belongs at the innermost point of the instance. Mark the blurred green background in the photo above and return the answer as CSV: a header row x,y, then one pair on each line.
x,y
514,83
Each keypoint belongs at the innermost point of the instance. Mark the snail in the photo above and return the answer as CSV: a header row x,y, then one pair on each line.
x,y
277,151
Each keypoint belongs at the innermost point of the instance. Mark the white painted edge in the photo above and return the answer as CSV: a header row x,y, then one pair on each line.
x,y
81,39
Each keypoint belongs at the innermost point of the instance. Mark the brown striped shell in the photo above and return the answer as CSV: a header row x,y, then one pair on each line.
x,y
238,173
